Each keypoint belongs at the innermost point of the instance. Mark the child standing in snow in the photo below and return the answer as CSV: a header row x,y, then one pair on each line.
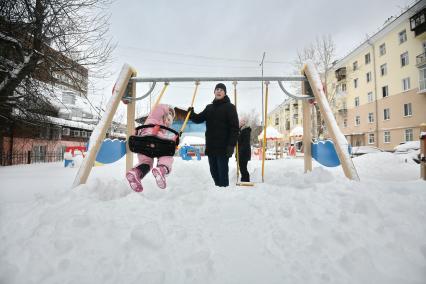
x,y
244,149
161,115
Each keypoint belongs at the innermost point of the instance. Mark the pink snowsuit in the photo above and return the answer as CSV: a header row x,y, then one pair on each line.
x,y
161,115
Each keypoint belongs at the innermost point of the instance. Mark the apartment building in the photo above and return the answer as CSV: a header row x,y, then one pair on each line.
x,y
380,87
285,117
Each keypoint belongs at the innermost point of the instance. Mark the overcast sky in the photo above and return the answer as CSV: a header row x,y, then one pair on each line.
x,y
227,38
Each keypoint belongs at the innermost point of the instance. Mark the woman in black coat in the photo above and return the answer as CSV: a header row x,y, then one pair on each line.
x,y
221,133
244,149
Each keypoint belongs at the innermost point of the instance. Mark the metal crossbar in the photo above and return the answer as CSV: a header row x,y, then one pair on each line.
x,y
212,79
223,79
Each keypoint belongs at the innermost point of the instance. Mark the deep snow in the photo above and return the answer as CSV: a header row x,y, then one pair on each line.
x,y
294,228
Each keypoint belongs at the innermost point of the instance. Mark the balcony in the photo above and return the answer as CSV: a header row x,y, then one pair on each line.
x,y
418,22
342,110
421,60
341,74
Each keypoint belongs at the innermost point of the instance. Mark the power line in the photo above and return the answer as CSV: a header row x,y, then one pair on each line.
x,y
201,65
202,56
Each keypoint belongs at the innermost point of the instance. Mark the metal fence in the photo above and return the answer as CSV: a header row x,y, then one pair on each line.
x,y
30,157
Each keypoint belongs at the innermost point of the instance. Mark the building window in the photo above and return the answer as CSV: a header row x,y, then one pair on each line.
x,y
408,134
383,69
386,136
367,58
404,59
355,65
385,91
345,123
277,120
66,131
68,98
408,110
406,84
295,118
344,87
370,138
370,97
356,101
368,77
422,79
370,117
39,153
402,36
386,114
75,133
382,49
356,83
357,120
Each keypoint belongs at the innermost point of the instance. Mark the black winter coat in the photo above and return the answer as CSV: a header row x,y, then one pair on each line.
x,y
244,149
221,126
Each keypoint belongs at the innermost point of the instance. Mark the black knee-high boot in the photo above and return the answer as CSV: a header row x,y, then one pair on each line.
x,y
144,168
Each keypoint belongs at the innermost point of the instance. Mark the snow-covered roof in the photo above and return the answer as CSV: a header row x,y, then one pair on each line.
x,y
70,123
296,131
192,140
271,133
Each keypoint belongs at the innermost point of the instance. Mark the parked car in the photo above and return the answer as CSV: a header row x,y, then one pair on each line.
x,y
411,150
407,147
362,150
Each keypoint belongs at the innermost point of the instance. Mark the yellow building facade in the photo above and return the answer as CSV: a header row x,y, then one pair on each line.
x,y
379,89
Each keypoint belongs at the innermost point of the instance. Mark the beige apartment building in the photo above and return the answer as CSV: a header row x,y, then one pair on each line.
x,y
379,88
285,117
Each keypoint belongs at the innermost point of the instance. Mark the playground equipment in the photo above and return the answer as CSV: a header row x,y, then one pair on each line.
x,y
110,151
184,152
125,90
422,157
70,154
325,153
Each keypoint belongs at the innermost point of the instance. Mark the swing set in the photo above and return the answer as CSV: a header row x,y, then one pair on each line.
x,y
125,90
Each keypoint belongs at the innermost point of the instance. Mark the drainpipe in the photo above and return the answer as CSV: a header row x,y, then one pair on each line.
x,y
375,93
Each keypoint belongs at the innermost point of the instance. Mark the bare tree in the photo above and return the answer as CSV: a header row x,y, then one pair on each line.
x,y
252,118
41,40
322,53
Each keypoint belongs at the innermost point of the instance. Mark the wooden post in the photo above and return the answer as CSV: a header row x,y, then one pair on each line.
x,y
423,151
131,107
307,135
340,142
307,131
264,132
236,146
98,134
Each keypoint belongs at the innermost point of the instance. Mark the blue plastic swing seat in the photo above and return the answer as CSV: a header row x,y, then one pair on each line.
x,y
325,153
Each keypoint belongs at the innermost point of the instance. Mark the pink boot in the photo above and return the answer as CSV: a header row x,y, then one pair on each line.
x,y
159,175
133,177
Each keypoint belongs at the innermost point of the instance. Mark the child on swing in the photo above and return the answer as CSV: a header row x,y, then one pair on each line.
x,y
161,115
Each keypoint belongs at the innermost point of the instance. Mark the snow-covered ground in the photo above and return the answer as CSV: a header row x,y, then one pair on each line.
x,y
294,228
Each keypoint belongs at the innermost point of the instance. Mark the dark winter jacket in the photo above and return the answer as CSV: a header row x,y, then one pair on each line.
x,y
244,150
221,126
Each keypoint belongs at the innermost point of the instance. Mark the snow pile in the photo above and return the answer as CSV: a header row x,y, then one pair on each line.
x,y
294,228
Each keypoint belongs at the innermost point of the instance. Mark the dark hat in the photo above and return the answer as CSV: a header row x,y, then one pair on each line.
x,y
220,86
